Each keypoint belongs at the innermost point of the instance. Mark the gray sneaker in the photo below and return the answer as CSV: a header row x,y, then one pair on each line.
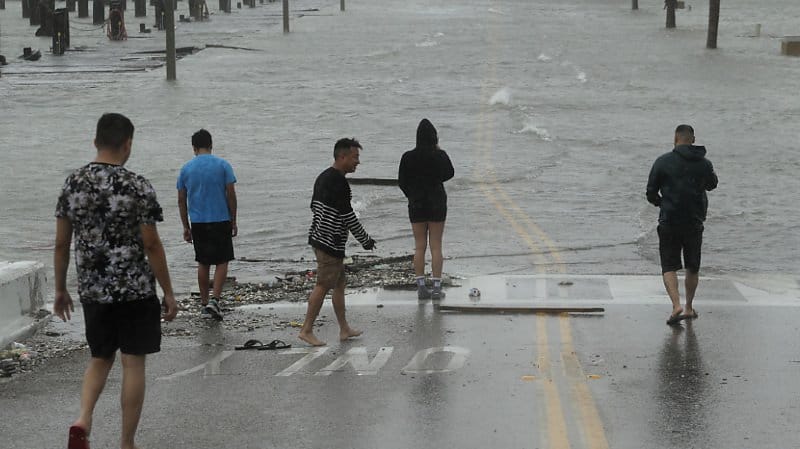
x,y
437,293
205,314
213,309
423,293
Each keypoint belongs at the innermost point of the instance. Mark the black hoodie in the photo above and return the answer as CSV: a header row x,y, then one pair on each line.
x,y
678,183
424,170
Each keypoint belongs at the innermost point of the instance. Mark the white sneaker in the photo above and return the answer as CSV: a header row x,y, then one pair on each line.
x,y
213,309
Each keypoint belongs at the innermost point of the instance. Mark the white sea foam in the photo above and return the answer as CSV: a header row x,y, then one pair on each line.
x,y
544,58
502,96
531,128
427,43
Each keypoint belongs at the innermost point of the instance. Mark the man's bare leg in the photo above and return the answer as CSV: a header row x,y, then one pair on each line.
x,y
131,397
312,311
220,275
94,380
345,331
671,284
691,281
203,272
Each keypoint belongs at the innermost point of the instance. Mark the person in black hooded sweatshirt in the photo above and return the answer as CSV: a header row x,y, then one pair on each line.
x,y
677,184
421,177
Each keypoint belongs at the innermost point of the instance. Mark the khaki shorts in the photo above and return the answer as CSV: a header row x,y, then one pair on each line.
x,y
330,270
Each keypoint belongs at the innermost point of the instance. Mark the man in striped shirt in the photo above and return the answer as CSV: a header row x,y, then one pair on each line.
x,y
333,220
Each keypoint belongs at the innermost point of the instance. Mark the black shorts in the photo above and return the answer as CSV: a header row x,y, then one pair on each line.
x,y
674,239
133,327
213,243
425,212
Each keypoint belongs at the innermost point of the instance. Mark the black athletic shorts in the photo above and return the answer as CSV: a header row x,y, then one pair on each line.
x,y
674,239
434,210
133,327
213,243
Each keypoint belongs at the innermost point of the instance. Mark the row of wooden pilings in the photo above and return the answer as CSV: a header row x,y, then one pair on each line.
x,y
165,17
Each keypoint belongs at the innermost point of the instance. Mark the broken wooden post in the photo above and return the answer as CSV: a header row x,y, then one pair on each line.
x,y
341,5
140,8
634,4
517,309
26,9
790,46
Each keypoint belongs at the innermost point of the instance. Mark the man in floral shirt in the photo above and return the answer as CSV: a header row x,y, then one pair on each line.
x,y
112,213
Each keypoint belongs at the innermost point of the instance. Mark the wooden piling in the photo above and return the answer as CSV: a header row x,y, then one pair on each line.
x,y
26,9
285,16
98,12
35,18
341,5
71,5
83,9
140,8
169,19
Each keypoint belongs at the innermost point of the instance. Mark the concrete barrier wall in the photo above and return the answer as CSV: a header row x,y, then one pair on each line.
x,y
23,289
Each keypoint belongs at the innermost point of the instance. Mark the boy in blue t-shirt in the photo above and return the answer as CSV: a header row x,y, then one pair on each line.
x,y
207,200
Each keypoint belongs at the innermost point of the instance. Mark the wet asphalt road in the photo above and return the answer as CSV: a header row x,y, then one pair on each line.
x,y
425,378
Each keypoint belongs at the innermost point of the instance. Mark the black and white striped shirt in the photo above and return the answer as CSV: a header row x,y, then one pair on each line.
x,y
333,214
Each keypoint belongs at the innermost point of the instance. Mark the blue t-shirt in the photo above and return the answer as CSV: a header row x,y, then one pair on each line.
x,y
204,178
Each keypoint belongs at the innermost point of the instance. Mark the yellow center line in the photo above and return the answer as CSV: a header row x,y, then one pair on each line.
x,y
535,238
592,426
556,426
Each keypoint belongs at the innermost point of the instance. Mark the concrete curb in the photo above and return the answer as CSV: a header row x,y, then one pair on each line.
x,y
22,293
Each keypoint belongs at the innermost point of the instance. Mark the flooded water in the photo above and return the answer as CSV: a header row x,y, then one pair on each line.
x,y
552,112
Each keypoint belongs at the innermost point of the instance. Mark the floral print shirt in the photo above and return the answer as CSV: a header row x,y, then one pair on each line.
x,y
106,204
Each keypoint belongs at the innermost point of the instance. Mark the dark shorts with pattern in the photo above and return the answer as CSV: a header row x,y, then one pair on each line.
x,y
330,270
672,240
133,327
213,244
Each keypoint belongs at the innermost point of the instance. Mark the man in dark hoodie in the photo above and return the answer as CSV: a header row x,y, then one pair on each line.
x,y
421,176
677,184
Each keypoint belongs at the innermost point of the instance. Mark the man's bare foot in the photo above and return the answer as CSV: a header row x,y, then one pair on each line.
x,y
85,425
311,339
689,313
676,316
344,334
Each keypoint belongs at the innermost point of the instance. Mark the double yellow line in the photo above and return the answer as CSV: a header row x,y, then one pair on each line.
x,y
570,381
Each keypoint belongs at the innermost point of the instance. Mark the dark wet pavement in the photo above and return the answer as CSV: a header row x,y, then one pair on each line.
x,y
423,378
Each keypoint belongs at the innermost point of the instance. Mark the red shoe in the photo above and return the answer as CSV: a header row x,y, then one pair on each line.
x,y
78,438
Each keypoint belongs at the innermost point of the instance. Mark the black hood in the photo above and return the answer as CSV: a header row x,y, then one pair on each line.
x,y
691,152
426,135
